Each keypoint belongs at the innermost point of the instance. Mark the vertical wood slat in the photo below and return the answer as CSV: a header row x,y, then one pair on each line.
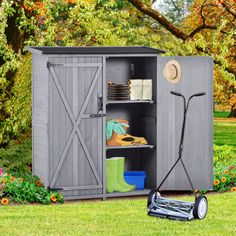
x,y
87,125
82,92
68,165
89,136
104,119
75,107
56,119
61,79
32,99
94,125
51,124
99,123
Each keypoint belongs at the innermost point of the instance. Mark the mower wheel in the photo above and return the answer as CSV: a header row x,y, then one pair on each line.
x,y
200,207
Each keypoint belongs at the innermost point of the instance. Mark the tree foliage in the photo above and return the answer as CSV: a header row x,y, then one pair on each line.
x,y
56,22
206,30
209,29
18,27
219,43
18,106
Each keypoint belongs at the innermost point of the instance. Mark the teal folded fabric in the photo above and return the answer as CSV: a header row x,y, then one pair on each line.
x,y
115,126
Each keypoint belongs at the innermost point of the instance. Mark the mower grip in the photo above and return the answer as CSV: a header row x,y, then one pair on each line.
x,y
199,94
176,93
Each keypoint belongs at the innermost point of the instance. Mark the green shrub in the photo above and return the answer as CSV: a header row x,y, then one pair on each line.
x,y
26,189
17,157
223,154
17,109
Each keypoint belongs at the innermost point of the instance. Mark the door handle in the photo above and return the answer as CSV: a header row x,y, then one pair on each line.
x,y
96,115
100,102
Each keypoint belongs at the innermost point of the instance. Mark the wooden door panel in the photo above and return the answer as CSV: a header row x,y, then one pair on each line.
x,y
197,155
76,86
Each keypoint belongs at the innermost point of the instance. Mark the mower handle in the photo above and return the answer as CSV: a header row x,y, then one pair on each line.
x,y
181,140
198,94
176,93
194,95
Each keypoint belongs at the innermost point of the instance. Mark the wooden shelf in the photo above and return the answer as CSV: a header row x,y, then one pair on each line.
x,y
129,101
144,192
129,147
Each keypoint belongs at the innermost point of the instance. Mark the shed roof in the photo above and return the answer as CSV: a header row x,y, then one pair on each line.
x,y
96,50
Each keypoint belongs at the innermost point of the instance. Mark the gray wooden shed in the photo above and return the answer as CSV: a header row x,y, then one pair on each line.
x,y
70,108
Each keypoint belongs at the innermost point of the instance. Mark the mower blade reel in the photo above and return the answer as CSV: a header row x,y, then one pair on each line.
x,y
171,209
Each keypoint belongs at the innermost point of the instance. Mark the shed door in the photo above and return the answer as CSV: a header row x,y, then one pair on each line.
x,y
196,76
76,125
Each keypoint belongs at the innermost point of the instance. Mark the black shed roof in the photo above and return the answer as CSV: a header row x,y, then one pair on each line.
x,y
96,50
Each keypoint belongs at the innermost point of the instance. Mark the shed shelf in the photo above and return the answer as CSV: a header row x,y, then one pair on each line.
x,y
129,147
129,101
131,193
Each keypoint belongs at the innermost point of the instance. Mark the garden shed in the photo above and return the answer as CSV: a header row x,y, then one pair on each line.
x,y
71,108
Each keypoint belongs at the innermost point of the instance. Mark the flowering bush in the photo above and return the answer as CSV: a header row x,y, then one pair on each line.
x,y
25,189
224,178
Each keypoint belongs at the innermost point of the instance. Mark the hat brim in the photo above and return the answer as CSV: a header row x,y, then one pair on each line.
x,y
172,71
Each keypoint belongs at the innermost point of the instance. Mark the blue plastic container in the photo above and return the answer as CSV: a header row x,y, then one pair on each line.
x,y
135,178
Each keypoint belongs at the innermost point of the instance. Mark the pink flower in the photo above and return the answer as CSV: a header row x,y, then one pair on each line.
x,y
231,167
1,172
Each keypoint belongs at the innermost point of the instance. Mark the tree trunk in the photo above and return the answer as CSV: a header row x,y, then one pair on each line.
x,y
233,111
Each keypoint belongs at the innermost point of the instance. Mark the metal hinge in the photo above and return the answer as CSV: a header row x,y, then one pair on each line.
x,y
54,189
49,64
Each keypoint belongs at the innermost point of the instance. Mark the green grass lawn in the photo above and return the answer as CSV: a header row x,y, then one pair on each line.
x,y
115,217
123,216
225,134
221,114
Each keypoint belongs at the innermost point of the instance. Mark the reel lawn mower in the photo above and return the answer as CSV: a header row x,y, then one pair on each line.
x,y
175,209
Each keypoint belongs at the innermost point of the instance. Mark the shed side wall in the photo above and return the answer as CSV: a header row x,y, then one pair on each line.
x,y
40,144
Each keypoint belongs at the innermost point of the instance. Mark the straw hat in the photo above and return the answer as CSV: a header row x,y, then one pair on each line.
x,y
172,71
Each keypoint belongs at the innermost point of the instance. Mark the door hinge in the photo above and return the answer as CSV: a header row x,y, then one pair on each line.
x,y
54,189
49,64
